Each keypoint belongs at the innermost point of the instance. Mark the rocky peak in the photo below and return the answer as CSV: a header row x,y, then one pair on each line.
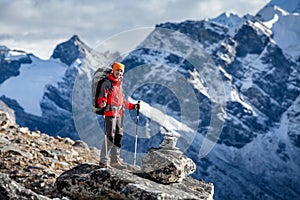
x,y
292,6
3,49
11,61
205,32
229,20
71,50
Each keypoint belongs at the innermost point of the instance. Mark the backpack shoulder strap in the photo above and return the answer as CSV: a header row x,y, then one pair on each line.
x,y
109,84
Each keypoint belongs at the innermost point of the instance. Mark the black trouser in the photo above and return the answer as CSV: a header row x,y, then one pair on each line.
x,y
114,134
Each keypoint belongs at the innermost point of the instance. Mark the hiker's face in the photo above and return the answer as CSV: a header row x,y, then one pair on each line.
x,y
118,74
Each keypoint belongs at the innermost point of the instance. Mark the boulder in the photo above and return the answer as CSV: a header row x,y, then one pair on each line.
x,y
89,181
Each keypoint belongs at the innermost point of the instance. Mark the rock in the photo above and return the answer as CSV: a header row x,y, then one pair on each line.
x,y
46,153
69,141
10,189
24,130
9,112
167,164
88,181
5,119
80,143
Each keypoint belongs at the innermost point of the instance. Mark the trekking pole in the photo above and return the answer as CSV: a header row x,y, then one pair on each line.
x,y
114,108
105,139
136,135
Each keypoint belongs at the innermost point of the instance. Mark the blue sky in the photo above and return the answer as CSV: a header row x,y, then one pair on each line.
x,y
38,26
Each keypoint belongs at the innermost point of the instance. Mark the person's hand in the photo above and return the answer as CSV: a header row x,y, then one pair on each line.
x,y
103,104
137,106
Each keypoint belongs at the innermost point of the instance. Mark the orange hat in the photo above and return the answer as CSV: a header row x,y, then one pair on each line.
x,y
117,66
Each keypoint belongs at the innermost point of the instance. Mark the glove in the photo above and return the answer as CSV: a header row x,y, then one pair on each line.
x,y
103,104
137,106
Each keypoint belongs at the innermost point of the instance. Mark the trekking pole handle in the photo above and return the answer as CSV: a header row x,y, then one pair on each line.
x,y
138,110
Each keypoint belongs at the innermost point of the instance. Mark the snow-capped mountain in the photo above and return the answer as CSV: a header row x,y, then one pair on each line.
x,y
40,91
282,18
232,80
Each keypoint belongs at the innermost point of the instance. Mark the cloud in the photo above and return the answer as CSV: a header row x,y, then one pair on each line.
x,y
96,20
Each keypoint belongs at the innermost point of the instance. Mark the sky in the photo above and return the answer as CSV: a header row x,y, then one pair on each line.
x,y
38,26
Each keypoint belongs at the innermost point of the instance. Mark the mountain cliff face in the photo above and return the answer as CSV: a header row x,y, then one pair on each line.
x,y
255,99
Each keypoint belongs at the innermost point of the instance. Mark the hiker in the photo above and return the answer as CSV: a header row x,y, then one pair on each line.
x,y
112,98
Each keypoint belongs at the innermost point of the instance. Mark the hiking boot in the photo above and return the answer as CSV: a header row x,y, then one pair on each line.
x,y
103,165
118,165
115,160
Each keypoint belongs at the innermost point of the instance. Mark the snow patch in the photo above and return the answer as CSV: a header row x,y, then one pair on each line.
x,y
236,98
28,87
196,81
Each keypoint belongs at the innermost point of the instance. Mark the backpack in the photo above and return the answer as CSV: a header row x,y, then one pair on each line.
x,y
99,77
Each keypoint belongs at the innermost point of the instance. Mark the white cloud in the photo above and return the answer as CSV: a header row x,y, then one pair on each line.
x,y
37,23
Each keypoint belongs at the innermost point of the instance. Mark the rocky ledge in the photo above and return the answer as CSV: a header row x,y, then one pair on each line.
x,y
88,181
34,165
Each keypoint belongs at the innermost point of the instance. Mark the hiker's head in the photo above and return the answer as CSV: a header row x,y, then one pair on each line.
x,y
118,70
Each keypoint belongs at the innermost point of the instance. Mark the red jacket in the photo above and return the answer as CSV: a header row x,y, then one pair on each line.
x,y
113,98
